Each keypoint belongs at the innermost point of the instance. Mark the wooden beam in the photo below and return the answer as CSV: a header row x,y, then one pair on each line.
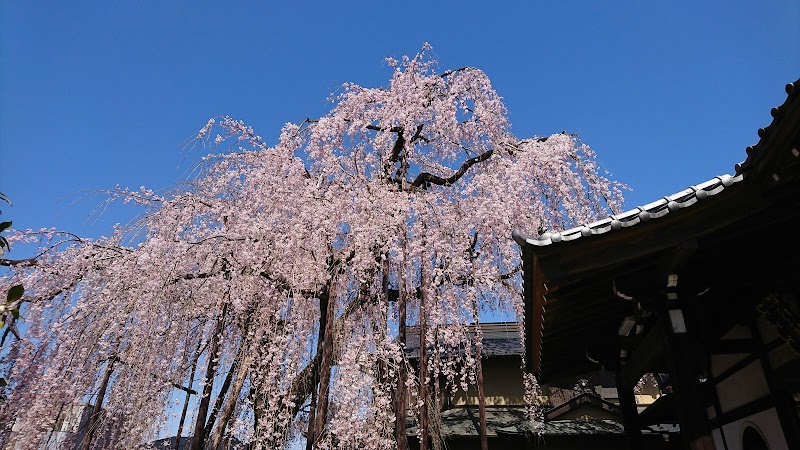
x,y
732,346
645,357
534,285
630,414
684,377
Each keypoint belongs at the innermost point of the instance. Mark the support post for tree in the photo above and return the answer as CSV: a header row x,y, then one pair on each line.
x,y
198,440
186,401
481,394
437,399
98,404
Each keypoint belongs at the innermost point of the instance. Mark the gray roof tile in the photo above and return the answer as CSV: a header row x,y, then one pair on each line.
x,y
650,211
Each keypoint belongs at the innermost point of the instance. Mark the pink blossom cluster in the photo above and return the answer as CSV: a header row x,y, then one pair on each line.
x,y
420,176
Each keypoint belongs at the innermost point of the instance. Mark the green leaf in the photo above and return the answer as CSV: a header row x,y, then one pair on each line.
x,y
3,382
2,323
4,198
4,225
15,313
15,293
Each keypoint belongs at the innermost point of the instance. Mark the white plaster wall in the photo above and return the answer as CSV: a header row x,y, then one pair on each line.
x,y
716,434
743,387
767,330
721,363
766,422
738,332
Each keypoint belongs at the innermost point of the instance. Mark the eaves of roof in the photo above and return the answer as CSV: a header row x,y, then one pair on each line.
x,y
763,163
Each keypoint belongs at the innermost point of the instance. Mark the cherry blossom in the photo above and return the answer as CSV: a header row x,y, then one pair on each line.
x,y
283,277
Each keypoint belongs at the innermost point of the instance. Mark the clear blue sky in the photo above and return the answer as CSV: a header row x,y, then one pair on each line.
x,y
95,94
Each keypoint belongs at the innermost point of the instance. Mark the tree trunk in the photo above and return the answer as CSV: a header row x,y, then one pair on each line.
x,y
98,404
230,402
325,369
423,357
400,400
311,434
312,407
213,353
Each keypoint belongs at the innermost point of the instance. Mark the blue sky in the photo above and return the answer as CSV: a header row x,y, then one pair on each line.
x,y
95,94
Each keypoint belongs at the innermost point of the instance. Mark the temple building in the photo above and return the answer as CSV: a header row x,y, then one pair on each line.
x,y
699,287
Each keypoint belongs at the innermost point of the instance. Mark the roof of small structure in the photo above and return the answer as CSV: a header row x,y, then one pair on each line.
x,y
586,398
500,339
463,422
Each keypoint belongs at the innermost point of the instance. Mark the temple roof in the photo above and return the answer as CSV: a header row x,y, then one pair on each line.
x,y
761,162
725,237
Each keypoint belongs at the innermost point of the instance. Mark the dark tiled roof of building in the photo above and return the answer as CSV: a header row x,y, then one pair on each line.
x,y
463,422
654,210
499,339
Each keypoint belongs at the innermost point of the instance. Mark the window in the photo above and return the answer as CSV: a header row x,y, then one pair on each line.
x,y
752,440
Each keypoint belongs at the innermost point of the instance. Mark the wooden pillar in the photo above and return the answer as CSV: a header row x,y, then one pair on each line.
x,y
689,401
630,414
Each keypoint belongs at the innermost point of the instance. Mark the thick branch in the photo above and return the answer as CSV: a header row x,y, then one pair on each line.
x,y
426,177
29,262
398,147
